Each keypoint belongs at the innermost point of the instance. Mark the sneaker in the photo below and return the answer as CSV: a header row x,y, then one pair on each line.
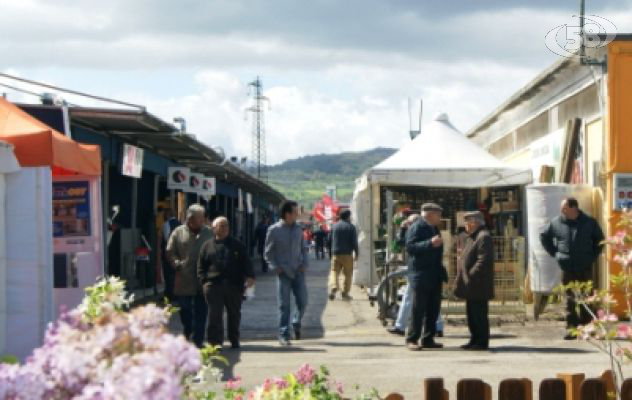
x,y
467,346
396,331
346,297
284,342
332,295
432,345
439,333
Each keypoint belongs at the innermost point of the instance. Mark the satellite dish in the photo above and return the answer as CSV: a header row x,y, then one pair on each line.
x,y
221,153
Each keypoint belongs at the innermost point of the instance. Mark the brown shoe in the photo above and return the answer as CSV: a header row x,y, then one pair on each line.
x,y
332,294
413,346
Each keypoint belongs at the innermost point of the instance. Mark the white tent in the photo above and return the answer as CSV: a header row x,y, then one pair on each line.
x,y
440,156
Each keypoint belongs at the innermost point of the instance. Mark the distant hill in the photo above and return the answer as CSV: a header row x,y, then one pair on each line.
x,y
305,179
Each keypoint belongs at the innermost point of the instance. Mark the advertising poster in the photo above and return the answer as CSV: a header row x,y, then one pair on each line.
x,y
195,183
71,209
208,186
178,178
132,164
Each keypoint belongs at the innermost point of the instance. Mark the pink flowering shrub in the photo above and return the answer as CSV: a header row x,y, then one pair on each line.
x,y
606,332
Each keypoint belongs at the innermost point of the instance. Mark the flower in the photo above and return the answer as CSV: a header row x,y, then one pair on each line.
x,y
233,384
305,375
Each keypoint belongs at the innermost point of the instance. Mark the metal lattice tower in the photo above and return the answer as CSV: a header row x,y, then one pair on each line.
x,y
258,130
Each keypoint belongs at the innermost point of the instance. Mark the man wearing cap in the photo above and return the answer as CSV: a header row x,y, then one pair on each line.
x,y
425,275
475,279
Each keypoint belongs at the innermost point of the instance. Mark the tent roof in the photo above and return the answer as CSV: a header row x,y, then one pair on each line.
x,y
37,144
442,156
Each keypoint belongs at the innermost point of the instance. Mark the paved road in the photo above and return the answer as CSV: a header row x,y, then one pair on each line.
x,y
347,338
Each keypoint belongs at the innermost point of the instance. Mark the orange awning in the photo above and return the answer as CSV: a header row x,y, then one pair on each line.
x,y
37,144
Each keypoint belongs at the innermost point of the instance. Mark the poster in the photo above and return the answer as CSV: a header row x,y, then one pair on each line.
x,y
71,209
178,178
132,161
208,186
195,183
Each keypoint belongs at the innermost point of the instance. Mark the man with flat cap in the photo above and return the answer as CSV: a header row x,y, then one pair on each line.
x,y
425,276
475,279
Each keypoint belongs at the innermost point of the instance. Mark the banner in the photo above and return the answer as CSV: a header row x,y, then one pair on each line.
x,y
178,178
71,209
195,183
208,186
132,161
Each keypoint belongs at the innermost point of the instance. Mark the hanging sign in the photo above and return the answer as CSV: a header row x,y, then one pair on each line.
x,y
132,161
195,183
178,178
208,186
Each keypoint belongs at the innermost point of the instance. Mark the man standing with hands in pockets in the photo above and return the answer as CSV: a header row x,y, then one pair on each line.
x,y
425,276
287,255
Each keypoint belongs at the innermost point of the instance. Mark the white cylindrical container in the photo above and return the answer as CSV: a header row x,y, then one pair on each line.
x,y
543,204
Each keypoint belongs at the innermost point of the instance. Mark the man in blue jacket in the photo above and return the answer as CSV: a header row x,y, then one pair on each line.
x,y
425,276
287,255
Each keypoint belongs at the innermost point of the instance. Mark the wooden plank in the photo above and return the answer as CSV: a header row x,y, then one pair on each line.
x,y
513,389
608,378
626,389
553,389
473,389
593,389
573,383
434,390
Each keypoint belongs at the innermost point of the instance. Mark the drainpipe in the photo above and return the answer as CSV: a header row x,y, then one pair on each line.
x,y
3,268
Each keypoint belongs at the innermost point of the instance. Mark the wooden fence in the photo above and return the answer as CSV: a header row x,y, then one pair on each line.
x,y
564,387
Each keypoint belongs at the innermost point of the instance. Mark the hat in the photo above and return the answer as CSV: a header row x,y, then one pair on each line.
x,y
474,214
431,207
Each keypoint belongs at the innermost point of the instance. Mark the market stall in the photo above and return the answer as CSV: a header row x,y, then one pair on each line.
x,y
53,211
443,166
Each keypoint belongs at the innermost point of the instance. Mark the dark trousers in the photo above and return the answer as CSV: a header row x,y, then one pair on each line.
x,y
573,318
264,264
168,275
478,322
219,297
320,251
193,317
426,305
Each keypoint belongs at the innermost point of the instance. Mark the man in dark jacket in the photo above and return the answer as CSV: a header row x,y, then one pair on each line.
x,y
224,269
425,275
344,246
475,279
575,240
319,238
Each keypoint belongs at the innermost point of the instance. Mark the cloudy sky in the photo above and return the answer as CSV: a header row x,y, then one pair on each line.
x,y
338,73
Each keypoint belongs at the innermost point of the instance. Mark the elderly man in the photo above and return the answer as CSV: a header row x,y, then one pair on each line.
x,y
287,254
183,250
425,275
575,240
344,239
224,269
475,279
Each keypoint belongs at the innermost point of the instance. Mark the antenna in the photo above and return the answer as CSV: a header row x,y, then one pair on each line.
x,y
258,129
421,109
414,133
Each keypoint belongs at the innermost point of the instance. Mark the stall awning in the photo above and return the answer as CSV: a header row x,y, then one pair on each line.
x,y
441,156
36,144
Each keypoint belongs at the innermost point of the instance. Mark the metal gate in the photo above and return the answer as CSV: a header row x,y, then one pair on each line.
x,y
509,270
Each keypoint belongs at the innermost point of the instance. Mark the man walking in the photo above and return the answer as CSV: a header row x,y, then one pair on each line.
x,y
575,240
319,239
224,269
344,247
170,224
261,232
425,275
475,279
287,254
183,250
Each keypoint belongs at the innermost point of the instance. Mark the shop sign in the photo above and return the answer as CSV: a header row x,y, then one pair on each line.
x,y
195,183
178,178
71,209
132,164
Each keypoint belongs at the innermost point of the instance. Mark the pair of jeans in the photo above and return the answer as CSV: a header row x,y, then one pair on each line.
x,y
426,306
285,288
193,317
403,315
478,322
320,251
220,296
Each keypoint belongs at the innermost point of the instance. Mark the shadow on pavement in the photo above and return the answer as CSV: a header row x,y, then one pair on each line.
x,y
360,344
530,349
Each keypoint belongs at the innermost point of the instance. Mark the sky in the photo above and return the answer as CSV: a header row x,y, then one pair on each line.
x,y
338,74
